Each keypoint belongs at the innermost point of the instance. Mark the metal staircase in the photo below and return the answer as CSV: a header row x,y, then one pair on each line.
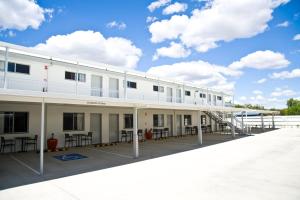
x,y
218,117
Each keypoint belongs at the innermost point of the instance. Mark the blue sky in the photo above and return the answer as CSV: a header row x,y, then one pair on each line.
x,y
189,39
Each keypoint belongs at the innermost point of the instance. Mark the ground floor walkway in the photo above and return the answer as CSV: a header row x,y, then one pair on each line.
x,y
264,166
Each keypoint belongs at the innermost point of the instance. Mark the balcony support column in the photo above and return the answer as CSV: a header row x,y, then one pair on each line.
x,y
200,141
135,137
42,136
233,127
262,122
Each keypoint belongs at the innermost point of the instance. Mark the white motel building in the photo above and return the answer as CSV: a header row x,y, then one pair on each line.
x,y
41,94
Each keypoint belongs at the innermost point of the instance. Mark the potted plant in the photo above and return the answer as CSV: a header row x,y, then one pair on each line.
x,y
52,143
148,134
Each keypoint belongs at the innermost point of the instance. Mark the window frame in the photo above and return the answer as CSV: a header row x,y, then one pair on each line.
x,y
15,68
159,116
129,85
130,121
73,121
187,93
12,129
219,98
187,120
158,88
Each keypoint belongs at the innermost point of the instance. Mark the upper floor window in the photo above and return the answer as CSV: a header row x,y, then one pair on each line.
x,y
14,122
157,88
202,95
187,93
219,98
72,76
19,68
131,84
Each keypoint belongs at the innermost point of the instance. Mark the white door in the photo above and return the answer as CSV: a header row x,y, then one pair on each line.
x,y
170,124
113,127
96,85
96,127
169,94
178,125
114,87
178,95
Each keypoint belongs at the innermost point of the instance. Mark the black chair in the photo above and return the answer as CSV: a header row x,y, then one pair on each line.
x,y
69,140
8,143
123,135
187,130
31,141
195,130
155,133
140,134
88,139
165,132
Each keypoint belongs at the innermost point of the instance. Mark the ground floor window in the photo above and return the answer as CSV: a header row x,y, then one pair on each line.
x,y
187,120
128,120
13,122
73,122
203,119
158,120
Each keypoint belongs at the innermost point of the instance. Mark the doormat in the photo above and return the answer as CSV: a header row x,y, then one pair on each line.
x,y
72,156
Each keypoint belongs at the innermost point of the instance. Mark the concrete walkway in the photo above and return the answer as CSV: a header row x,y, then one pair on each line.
x,y
265,166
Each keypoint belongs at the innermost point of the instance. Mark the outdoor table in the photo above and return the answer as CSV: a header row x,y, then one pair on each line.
x,y
78,137
22,139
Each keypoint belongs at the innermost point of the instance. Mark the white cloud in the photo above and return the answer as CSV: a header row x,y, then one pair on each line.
x,y
199,72
261,60
260,81
151,19
221,20
92,46
175,8
118,25
283,24
279,92
296,37
257,92
243,98
295,73
22,14
175,50
157,4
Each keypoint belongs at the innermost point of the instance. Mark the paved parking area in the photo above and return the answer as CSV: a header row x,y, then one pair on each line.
x,y
22,168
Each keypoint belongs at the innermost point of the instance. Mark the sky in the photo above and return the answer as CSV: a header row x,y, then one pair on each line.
x,y
250,47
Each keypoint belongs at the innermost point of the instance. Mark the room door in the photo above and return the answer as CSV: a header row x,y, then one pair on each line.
x,y
113,127
170,124
178,125
96,127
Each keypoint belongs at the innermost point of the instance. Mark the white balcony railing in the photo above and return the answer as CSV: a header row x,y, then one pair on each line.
x,y
79,88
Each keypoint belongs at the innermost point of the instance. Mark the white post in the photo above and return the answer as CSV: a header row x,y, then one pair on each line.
x,y
262,122
5,68
199,129
273,122
242,122
135,135
42,138
125,85
233,127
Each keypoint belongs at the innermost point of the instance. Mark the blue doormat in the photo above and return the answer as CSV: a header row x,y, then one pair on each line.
x,y
72,156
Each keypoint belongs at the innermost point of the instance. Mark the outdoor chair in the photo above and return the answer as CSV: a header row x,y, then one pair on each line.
x,y
124,135
187,130
140,134
69,140
195,130
155,133
8,143
88,139
31,141
166,132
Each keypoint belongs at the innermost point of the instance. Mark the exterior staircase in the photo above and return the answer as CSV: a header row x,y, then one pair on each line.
x,y
218,117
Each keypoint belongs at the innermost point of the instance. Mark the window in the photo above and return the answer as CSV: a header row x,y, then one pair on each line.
x,y
14,122
81,77
219,98
128,120
157,88
131,84
73,75
19,68
187,120
73,122
202,95
187,93
158,120
203,119
70,75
